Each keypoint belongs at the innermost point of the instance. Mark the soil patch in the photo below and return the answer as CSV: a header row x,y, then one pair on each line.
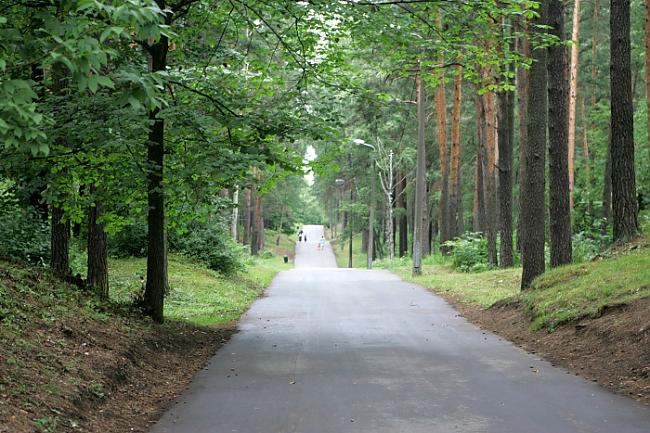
x,y
71,364
612,349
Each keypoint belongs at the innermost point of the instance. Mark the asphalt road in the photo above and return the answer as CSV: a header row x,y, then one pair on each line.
x,y
336,350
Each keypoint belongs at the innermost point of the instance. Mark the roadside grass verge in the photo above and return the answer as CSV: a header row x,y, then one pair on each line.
x,y
482,289
285,246
561,295
341,252
570,293
197,294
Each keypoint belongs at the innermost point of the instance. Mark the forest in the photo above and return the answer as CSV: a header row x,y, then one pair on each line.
x,y
143,138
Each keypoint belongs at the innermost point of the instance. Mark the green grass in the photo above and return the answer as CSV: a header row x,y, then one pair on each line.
x,y
483,288
559,296
286,246
572,292
359,259
198,295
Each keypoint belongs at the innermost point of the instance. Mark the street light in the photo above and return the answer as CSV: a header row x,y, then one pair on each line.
x,y
371,211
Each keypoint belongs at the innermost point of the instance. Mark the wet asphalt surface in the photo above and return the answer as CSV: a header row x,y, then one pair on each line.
x,y
335,350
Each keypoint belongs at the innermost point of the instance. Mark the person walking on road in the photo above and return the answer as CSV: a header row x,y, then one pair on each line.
x,y
321,243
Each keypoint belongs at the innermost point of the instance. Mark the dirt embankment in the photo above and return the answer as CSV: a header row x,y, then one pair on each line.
x,y
612,349
68,364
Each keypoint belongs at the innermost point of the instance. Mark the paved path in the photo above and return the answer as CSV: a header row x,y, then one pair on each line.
x,y
337,351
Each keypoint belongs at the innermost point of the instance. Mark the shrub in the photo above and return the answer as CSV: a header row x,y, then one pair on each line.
x,y
469,253
585,247
24,236
129,241
211,245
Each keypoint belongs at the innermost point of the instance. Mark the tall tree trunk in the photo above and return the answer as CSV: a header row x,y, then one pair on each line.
x,y
454,171
255,212
624,200
573,92
97,269
259,215
607,187
504,103
587,158
156,285
60,243
532,188
234,220
441,117
489,164
371,220
523,47
560,209
248,216
403,218
420,179
479,218
647,69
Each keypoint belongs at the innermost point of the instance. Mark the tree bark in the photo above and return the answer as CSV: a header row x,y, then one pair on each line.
x,y
586,157
454,173
97,269
403,218
255,213
156,285
441,118
248,216
607,187
624,200
420,179
60,243
489,164
522,99
573,92
234,221
559,176
647,69
504,103
532,188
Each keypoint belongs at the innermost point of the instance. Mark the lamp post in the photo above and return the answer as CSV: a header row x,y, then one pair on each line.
x,y
371,210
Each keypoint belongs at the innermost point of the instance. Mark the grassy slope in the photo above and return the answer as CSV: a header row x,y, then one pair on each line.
x,y
560,295
584,290
198,294
61,349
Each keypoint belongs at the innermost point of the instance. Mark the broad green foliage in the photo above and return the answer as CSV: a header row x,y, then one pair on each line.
x,y
469,252
56,47
23,236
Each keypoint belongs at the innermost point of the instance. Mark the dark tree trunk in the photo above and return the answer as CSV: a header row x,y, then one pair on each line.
x,y
97,276
522,99
558,131
488,121
426,224
403,218
60,243
247,218
260,224
479,220
479,196
504,104
532,189
454,163
607,187
156,285
256,203
624,200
